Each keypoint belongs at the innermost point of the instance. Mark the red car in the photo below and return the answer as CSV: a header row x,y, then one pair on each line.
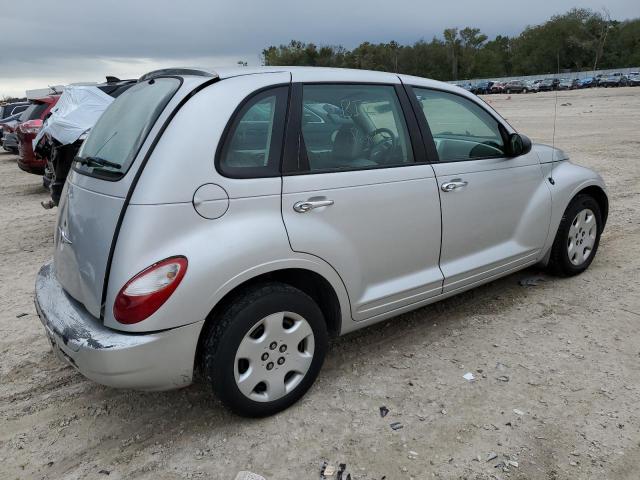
x,y
31,123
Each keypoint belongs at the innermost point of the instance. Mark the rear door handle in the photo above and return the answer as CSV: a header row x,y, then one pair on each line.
x,y
453,185
303,207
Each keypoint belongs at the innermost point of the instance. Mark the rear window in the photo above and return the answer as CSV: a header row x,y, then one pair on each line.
x,y
33,112
116,138
18,109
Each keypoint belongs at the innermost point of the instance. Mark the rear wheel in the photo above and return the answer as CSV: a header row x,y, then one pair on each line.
x,y
265,349
578,237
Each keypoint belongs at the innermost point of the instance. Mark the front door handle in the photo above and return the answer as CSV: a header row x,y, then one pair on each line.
x,y
453,185
303,207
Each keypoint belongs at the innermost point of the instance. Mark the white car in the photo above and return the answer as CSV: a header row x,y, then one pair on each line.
x,y
230,223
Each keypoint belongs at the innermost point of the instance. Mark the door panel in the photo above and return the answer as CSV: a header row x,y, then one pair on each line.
x,y
495,208
357,199
496,222
381,234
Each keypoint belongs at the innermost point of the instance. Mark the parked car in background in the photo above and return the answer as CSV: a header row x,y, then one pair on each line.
x,y
634,79
546,85
616,79
157,272
30,124
568,84
482,88
531,86
8,139
587,82
516,86
9,110
498,87
75,113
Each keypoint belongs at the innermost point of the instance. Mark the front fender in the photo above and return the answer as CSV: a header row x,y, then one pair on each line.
x,y
569,180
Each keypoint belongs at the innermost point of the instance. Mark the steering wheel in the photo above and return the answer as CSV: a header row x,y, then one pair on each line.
x,y
380,149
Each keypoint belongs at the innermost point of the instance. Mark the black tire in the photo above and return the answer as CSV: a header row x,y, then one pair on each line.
x,y
559,262
238,317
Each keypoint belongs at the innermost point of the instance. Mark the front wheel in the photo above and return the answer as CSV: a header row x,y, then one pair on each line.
x,y
264,350
578,237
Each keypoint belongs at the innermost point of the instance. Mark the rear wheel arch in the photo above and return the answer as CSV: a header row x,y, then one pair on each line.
x,y
309,282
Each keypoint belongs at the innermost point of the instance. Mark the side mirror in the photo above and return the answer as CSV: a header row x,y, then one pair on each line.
x,y
519,145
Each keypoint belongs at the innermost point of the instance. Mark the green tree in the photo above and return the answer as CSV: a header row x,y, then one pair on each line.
x,y
579,39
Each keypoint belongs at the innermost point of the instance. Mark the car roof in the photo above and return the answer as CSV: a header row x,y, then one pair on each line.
x,y
309,74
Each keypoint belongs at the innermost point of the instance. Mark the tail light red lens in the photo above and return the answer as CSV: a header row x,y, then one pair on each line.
x,y
145,293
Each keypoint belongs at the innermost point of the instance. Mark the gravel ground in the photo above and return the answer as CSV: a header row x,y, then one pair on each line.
x,y
556,365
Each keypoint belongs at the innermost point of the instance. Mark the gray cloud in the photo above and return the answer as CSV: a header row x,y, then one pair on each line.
x,y
77,40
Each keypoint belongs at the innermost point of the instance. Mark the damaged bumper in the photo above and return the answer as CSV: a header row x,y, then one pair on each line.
x,y
145,361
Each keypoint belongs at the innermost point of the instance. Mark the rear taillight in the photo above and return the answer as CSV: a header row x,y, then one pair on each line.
x,y
147,291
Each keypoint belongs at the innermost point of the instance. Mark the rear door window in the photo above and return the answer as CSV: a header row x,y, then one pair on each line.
x,y
116,138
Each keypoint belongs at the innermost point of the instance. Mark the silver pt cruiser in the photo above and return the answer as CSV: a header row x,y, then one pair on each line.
x,y
230,223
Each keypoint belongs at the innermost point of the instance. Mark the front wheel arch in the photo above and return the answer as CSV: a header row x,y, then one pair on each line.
x,y
599,195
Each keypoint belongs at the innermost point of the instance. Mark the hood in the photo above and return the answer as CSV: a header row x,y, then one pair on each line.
x,y
548,154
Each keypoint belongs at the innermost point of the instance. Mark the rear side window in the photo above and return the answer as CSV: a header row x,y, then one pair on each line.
x,y
116,138
252,144
461,129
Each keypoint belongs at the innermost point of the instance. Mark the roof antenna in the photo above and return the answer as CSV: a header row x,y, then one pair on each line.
x,y
555,115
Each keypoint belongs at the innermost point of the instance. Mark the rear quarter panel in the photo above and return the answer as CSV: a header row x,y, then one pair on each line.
x,y
160,221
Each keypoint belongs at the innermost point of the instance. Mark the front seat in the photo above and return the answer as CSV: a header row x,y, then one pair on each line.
x,y
347,151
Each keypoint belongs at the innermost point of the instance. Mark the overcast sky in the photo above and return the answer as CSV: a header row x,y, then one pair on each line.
x,y
49,43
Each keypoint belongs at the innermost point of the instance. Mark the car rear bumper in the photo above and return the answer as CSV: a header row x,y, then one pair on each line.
x,y
150,361
28,162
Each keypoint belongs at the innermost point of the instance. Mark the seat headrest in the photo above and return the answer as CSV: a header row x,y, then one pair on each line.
x,y
346,145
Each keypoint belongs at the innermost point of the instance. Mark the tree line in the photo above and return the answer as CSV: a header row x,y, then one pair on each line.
x,y
579,40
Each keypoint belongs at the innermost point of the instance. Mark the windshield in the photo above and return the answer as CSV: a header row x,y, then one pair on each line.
x,y
114,141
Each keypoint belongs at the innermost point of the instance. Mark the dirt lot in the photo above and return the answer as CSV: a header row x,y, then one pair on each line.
x,y
557,385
